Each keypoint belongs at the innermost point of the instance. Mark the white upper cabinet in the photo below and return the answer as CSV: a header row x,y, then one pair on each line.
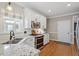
x,y
43,22
33,16
27,18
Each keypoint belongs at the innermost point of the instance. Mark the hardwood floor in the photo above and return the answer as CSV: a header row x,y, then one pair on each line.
x,y
54,48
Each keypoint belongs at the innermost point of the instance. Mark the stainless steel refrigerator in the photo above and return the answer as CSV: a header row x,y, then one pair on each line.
x,y
76,32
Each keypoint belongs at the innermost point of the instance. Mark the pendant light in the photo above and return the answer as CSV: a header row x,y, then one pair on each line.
x,y
9,7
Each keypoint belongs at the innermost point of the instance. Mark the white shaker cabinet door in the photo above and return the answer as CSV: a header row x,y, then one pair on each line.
x,y
43,22
46,38
27,18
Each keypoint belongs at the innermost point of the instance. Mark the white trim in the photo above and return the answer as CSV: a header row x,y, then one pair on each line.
x,y
63,15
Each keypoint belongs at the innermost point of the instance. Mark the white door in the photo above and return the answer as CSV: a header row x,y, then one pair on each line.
x,y
63,28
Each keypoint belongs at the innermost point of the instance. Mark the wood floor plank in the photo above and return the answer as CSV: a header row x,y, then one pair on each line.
x,y
54,48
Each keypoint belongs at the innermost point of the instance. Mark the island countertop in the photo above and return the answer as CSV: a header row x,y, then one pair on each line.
x,y
18,50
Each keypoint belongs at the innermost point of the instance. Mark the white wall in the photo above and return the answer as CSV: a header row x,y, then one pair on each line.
x,y
52,27
29,15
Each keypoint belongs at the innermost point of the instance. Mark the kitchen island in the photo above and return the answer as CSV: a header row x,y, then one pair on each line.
x,y
18,50
36,41
27,46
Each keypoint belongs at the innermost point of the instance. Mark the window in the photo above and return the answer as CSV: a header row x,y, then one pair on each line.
x,y
11,20
9,27
13,23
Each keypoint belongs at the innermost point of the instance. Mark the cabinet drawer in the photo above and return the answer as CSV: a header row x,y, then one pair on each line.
x,y
39,45
39,41
39,37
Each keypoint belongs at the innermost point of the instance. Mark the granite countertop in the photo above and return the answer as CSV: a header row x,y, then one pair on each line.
x,y
25,38
30,36
18,50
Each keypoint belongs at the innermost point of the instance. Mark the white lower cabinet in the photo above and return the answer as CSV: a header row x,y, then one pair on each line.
x,y
46,38
38,41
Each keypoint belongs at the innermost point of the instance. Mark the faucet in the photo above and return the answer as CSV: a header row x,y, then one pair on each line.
x,y
12,35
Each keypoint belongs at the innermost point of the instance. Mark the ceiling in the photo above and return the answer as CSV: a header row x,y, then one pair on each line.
x,y
57,8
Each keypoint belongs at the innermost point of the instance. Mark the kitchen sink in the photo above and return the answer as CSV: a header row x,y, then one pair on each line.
x,y
15,41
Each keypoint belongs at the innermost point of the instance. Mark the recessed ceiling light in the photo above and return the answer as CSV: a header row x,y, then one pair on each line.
x,y
49,10
68,4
